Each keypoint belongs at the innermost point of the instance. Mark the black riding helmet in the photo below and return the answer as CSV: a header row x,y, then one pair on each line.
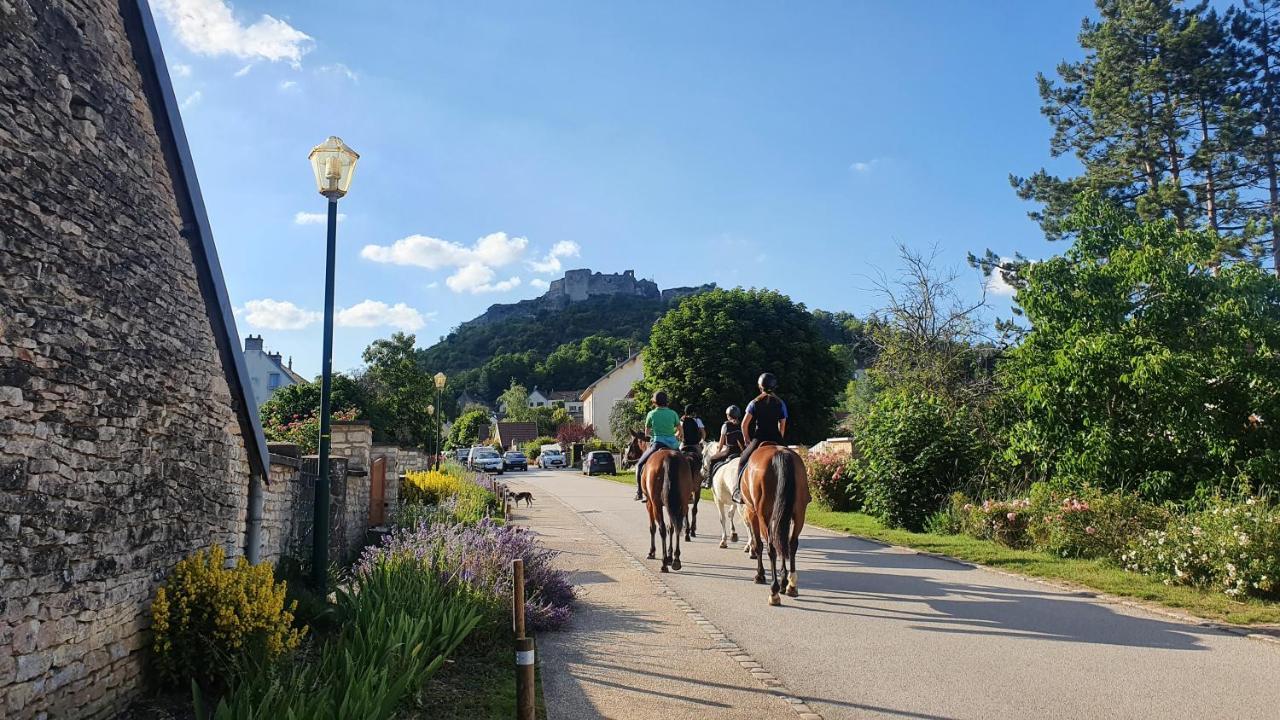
x,y
767,382
660,398
733,411
688,410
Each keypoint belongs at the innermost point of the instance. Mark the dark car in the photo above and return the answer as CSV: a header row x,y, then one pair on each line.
x,y
515,460
599,462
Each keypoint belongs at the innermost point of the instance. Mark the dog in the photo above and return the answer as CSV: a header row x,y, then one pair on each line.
x,y
527,497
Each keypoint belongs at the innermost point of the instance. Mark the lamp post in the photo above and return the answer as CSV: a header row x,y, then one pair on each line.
x,y
440,381
333,163
431,413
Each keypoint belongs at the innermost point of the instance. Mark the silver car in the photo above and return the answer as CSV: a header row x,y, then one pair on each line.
x,y
486,459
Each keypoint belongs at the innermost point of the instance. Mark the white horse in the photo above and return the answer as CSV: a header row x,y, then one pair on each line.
x,y
722,490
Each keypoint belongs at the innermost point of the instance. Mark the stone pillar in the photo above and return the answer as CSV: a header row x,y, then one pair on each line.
x,y
353,440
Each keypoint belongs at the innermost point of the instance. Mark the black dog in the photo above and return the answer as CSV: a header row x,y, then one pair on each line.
x,y
527,497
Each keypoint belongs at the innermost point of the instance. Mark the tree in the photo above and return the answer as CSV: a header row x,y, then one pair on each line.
x,y
626,416
347,395
1255,26
1152,115
578,364
1146,367
709,350
574,432
514,402
401,389
466,429
549,419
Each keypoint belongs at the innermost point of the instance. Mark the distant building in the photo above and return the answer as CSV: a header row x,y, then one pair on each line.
x,y
466,399
511,435
570,400
538,398
267,371
610,389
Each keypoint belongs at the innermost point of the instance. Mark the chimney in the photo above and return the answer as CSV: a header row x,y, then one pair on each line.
x,y
290,362
252,344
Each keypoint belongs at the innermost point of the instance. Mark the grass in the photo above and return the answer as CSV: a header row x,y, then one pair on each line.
x,y
1096,574
474,686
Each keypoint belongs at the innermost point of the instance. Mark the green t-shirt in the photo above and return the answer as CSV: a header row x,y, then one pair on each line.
x,y
661,423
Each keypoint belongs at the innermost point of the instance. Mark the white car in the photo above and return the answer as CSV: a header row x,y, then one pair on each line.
x,y
551,458
486,459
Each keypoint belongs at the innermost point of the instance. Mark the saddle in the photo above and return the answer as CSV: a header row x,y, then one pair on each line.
x,y
719,464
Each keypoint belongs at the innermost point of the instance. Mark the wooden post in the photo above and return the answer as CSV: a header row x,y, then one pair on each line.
x,y
526,686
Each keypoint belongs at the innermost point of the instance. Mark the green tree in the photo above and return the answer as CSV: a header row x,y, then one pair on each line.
x,y
709,350
1255,26
626,415
401,389
297,402
466,429
578,364
1152,114
514,401
1146,367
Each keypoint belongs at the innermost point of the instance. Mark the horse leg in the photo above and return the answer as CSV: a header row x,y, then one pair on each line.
x,y
653,526
662,532
757,552
792,585
693,523
774,598
724,528
733,531
675,544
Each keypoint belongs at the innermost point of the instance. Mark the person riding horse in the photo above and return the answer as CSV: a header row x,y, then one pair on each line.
x,y
660,424
765,421
691,431
731,442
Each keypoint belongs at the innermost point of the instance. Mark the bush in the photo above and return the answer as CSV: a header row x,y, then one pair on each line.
x,y
914,451
1231,547
400,620
829,480
1002,521
207,620
451,491
1089,523
533,448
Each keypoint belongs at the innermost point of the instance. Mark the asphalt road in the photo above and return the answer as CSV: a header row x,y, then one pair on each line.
x,y
882,632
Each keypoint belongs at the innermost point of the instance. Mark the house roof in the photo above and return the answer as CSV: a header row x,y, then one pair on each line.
x,y
158,89
564,395
590,388
516,432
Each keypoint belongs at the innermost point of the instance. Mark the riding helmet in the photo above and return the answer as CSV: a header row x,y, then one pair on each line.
x,y
660,398
734,412
767,382
688,410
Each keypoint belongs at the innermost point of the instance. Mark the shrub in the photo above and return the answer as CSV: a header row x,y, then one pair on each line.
x,y
302,430
480,556
914,451
829,480
1002,521
533,448
400,620
452,490
208,619
1231,547
1089,523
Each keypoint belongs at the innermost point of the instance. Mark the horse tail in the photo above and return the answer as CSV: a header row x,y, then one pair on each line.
x,y
670,489
784,501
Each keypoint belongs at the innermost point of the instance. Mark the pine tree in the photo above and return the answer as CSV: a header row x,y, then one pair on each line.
x,y
1255,26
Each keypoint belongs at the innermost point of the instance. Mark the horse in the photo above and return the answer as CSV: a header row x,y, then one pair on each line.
x,y
636,448
668,480
775,490
722,491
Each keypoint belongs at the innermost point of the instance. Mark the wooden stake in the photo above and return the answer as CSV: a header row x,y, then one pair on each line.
x,y
517,597
526,685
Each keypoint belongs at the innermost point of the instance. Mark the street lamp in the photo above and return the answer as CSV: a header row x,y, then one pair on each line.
x,y
440,381
333,163
431,412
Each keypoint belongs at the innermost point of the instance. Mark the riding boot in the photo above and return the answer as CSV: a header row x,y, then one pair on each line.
x,y
737,491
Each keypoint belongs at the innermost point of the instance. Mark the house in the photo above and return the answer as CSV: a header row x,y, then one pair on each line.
x,y
611,388
538,398
570,400
267,371
466,399
512,435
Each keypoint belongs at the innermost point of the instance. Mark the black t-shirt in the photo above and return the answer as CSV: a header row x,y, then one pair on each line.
x,y
690,430
766,412
732,434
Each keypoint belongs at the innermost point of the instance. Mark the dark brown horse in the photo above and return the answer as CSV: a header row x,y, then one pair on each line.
x,y
632,454
775,492
667,481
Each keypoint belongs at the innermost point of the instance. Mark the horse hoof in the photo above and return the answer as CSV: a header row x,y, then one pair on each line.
x,y
664,568
675,565
652,556
793,592
759,579
733,537
724,544
775,600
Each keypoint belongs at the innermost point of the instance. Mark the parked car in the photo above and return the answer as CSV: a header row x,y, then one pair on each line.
x,y
599,462
515,460
463,454
485,459
551,457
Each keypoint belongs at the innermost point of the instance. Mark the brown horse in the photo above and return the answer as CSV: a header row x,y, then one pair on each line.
x,y
775,491
667,481
632,454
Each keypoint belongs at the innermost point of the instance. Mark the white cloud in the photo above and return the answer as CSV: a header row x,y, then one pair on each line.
x,y
180,70
478,278
340,70
277,315
209,27
374,313
433,285
995,282
864,166
493,250
288,84
539,283
243,71
192,99
551,263
316,218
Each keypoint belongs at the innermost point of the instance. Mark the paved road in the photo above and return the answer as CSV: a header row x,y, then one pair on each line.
x,y
880,632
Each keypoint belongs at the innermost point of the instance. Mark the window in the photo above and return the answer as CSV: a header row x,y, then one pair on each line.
x,y
273,381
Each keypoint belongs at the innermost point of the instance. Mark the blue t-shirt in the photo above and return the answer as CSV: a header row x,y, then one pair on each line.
x,y
766,412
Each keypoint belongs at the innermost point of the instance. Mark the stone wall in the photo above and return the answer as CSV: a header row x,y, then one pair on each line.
x,y
351,439
288,507
120,446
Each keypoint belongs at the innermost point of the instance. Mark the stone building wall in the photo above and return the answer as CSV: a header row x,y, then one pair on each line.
x,y
120,445
288,506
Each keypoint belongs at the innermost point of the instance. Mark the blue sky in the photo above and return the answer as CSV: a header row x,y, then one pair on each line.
x,y
781,145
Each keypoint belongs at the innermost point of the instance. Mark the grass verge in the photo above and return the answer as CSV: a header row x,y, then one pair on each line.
x,y
1096,574
474,686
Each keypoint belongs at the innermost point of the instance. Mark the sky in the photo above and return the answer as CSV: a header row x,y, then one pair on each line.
x,y
791,146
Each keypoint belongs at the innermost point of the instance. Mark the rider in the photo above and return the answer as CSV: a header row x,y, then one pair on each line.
x,y
660,424
692,432
731,442
766,421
